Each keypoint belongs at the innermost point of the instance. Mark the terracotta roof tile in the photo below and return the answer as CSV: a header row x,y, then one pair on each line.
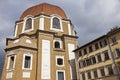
x,y
44,8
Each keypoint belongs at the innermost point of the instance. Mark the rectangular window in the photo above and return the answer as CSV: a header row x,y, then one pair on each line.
x,y
84,63
95,74
11,62
88,62
103,43
60,75
106,55
27,61
114,40
96,46
60,61
81,64
85,51
117,52
83,76
90,49
80,53
102,72
99,58
93,60
89,75
110,70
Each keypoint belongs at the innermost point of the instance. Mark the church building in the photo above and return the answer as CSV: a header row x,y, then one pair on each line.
x,y
42,46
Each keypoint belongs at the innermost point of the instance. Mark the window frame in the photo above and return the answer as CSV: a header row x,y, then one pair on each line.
x,y
58,40
84,63
80,53
62,57
8,63
96,46
102,75
80,63
105,57
60,71
89,76
88,61
57,44
117,52
109,70
90,49
56,23
55,29
24,24
95,75
83,77
99,54
85,51
31,56
103,43
92,61
114,40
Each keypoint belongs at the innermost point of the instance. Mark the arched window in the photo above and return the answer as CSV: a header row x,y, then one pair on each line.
x,y
56,23
57,44
28,24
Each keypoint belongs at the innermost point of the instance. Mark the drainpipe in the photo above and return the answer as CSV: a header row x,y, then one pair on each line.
x,y
77,67
113,60
79,72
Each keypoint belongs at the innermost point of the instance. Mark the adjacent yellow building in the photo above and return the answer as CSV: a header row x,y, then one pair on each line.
x,y
42,46
100,58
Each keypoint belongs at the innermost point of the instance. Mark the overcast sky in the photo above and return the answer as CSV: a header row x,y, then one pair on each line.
x,y
91,18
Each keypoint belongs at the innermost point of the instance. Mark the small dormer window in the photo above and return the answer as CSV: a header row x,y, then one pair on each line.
x,y
28,24
56,23
57,44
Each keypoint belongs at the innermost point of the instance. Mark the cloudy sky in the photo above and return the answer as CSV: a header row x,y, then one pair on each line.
x,y
91,18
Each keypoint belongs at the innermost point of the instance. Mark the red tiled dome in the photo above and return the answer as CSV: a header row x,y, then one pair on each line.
x,y
43,8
